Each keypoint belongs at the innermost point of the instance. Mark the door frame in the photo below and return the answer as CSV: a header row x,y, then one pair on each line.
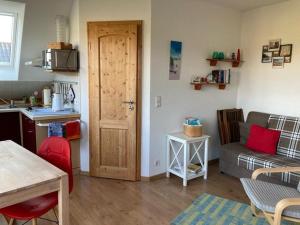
x,y
138,89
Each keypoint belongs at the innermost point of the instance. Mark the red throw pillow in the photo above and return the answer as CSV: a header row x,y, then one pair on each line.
x,y
263,140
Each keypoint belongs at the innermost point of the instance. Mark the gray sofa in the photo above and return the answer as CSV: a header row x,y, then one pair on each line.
x,y
238,161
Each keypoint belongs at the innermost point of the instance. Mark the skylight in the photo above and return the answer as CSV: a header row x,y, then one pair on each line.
x,y
7,24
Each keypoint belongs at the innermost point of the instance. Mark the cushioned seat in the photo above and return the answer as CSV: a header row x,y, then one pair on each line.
x,y
252,161
266,195
238,161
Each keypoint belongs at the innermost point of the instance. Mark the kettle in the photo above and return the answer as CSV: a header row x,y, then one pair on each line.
x,y
57,102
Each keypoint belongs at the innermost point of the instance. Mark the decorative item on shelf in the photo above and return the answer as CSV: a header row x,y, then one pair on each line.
x,y
220,57
192,127
238,55
233,56
219,78
215,55
275,51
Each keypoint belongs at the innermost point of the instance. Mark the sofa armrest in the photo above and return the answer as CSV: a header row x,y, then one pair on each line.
x,y
257,172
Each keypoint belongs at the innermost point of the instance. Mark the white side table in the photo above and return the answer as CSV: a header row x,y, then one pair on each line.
x,y
182,150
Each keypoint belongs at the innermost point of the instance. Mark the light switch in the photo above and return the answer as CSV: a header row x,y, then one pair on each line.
x,y
157,101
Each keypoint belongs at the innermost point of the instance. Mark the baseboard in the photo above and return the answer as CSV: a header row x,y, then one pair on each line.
x,y
84,173
155,177
163,175
152,178
76,171
213,161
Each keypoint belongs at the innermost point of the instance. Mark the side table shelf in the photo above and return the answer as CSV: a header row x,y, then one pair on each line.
x,y
183,150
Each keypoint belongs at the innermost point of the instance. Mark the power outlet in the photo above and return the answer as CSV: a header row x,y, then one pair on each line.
x,y
157,101
157,163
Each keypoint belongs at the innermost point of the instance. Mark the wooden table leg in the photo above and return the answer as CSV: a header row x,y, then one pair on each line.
x,y
63,201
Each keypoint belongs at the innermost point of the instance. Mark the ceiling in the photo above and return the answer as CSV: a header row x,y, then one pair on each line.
x,y
244,5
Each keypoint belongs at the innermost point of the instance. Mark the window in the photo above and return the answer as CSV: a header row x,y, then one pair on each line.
x,y
7,24
11,23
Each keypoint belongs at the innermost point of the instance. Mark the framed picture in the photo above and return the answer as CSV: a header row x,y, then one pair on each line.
x,y
175,60
265,48
286,52
266,55
274,45
288,59
276,54
278,62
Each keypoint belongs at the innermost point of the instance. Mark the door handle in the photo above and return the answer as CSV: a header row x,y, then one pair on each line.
x,y
129,102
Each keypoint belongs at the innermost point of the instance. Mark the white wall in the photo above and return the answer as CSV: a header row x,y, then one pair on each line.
x,y
262,88
74,40
103,10
39,29
203,28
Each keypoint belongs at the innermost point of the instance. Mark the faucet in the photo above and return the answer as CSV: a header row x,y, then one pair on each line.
x,y
11,103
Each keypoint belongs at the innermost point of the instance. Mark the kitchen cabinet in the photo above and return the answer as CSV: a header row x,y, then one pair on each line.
x,y
29,130
29,134
10,127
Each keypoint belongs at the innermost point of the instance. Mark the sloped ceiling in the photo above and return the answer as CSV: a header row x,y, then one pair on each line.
x,y
245,5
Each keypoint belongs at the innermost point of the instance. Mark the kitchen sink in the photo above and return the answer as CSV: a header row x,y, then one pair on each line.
x,y
6,106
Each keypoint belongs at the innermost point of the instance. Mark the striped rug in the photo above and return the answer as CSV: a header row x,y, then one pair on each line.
x,y
212,210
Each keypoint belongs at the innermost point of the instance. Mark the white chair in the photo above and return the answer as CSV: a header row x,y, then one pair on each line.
x,y
273,201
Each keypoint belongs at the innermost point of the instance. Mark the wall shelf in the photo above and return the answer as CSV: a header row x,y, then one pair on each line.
x,y
234,63
198,86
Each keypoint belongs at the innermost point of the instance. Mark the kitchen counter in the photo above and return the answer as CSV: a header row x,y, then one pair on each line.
x,y
41,116
30,128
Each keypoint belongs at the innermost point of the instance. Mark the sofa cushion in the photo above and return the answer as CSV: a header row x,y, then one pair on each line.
x,y
263,140
289,142
252,161
230,152
244,132
258,118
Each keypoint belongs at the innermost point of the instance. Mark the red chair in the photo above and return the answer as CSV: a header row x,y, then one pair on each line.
x,y
55,150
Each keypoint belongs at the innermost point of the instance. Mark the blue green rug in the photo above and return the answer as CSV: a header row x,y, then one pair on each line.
x,y
212,210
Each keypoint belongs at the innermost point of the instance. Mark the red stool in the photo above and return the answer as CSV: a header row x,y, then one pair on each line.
x,y
55,150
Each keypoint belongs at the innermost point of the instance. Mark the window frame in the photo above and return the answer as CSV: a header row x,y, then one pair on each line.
x,y
10,71
14,38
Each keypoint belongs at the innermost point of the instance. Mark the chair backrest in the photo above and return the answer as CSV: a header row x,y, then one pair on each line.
x,y
57,151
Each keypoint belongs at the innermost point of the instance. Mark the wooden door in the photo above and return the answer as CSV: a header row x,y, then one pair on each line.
x,y
114,108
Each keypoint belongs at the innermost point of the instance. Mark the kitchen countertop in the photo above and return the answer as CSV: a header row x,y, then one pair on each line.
x,y
40,116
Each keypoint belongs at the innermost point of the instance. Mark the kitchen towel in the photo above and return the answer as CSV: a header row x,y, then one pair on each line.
x,y
56,129
72,129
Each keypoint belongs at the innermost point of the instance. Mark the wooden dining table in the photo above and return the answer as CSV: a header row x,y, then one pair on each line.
x,y
24,175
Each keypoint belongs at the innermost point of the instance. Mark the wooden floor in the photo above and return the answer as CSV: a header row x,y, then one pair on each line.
x,y
97,201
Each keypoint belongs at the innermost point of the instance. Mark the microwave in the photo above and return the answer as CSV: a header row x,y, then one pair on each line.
x,y
60,60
